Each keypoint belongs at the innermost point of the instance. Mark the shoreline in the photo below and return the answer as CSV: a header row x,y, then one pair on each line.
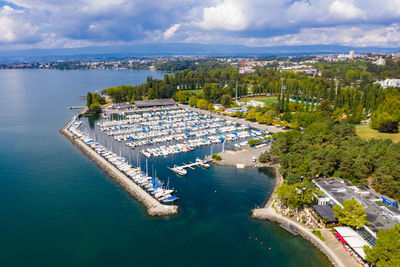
x,y
268,212
153,207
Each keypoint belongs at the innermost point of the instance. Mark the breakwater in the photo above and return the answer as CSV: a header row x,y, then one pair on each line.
x,y
154,208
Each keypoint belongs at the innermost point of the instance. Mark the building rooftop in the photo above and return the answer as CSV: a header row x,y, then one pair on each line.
x,y
155,103
325,211
340,190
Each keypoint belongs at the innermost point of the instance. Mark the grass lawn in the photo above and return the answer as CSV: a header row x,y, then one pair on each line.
x,y
267,100
365,132
196,92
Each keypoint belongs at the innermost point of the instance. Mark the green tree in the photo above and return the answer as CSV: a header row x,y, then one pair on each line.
x,y
193,101
352,75
150,93
95,108
389,109
203,104
386,252
352,214
389,126
297,195
226,100
181,96
88,99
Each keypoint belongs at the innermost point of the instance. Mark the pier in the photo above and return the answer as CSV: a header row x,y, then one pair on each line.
x,y
181,170
154,208
75,107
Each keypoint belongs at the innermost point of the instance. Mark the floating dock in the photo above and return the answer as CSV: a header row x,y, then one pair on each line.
x,y
154,208
199,162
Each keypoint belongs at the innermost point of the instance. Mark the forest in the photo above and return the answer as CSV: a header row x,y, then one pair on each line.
x,y
330,148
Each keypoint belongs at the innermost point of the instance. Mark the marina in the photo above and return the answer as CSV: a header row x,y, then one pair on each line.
x,y
151,191
173,131
165,131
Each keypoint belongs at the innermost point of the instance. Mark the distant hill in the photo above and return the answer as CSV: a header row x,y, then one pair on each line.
x,y
168,49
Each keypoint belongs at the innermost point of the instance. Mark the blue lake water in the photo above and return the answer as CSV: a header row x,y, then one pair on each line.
x,y
58,208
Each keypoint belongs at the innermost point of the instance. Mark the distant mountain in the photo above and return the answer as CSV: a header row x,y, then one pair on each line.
x,y
168,49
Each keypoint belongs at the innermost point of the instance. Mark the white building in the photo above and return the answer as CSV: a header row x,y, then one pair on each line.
x,y
352,54
389,83
380,61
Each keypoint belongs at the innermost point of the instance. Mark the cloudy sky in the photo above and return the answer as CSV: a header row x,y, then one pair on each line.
x,y
77,23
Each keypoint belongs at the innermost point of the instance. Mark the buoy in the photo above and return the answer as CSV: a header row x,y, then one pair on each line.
x,y
249,237
269,248
256,238
262,243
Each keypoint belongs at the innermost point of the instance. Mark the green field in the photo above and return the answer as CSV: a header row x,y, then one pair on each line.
x,y
196,92
267,100
366,132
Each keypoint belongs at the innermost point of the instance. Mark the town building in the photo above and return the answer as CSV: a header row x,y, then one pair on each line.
x,y
380,61
155,103
389,83
379,215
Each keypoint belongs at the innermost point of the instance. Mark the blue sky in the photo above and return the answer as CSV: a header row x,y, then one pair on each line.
x,y
76,23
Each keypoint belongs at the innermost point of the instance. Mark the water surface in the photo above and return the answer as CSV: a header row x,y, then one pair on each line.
x,y
59,209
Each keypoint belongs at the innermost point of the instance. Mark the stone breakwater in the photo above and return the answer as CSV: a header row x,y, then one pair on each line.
x,y
154,208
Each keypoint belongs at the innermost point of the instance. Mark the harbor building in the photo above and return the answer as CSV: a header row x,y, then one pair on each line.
x,y
140,104
379,214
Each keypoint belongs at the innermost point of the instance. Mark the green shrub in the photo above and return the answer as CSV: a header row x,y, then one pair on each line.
x,y
389,126
318,234
216,157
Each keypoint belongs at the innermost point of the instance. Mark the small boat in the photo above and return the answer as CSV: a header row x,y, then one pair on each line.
x,y
178,170
202,163
169,199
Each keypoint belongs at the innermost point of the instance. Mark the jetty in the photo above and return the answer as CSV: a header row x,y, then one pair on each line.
x,y
154,208
75,107
181,170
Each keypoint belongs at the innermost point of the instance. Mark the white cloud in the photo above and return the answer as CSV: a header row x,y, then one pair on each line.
x,y
228,15
171,31
13,26
371,35
345,10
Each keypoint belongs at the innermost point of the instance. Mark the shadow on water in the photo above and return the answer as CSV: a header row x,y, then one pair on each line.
x,y
92,121
268,171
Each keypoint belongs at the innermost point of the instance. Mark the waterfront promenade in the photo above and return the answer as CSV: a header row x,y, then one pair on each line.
x,y
154,208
